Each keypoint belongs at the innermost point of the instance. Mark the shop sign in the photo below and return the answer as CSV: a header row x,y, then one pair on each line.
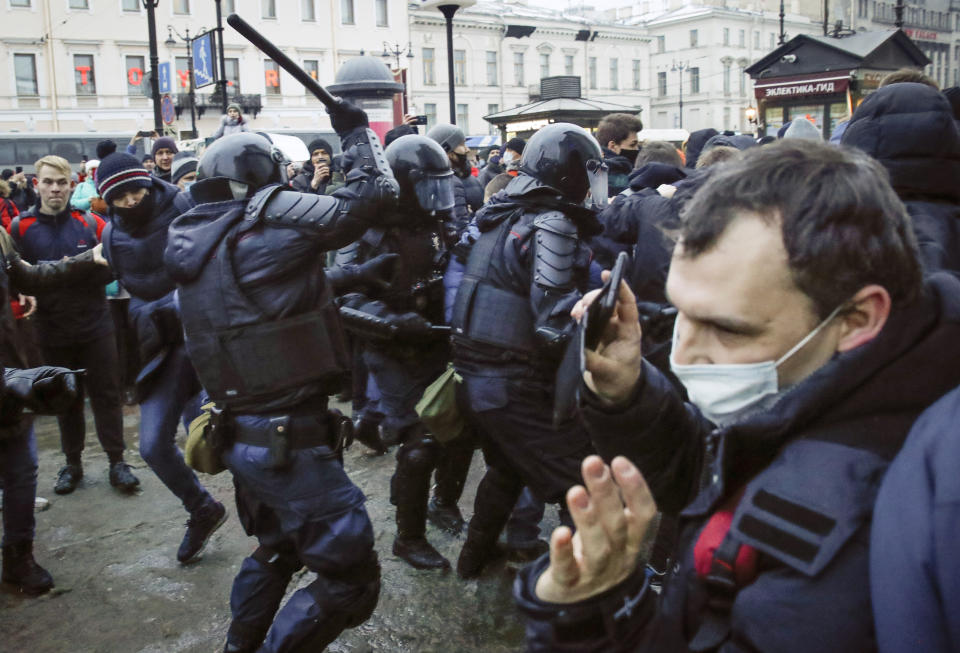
x,y
801,88
921,34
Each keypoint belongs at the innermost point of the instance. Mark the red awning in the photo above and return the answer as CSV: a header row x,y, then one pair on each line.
x,y
802,86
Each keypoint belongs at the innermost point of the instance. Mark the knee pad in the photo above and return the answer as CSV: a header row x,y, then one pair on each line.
x,y
419,456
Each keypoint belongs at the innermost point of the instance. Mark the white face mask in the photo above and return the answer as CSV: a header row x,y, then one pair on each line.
x,y
508,157
725,392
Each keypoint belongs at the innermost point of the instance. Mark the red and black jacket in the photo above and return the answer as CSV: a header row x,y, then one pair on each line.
x,y
78,313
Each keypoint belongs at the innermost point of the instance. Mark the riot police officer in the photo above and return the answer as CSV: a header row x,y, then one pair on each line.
x,y
262,331
511,322
403,350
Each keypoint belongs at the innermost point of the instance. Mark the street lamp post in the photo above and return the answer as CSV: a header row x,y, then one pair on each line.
x,y
680,67
448,8
170,42
150,5
394,50
222,82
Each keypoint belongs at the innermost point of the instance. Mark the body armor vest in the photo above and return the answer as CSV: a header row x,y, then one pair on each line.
x,y
247,360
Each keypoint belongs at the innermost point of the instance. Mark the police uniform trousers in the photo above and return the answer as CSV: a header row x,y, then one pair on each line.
x,y
173,393
309,514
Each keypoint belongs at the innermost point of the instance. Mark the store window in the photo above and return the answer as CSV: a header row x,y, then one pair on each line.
x,y
85,79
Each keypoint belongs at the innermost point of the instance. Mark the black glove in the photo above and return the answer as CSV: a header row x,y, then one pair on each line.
x,y
346,117
379,271
44,390
376,200
411,327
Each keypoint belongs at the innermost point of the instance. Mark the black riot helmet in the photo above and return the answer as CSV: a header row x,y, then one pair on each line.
x,y
237,166
566,159
423,171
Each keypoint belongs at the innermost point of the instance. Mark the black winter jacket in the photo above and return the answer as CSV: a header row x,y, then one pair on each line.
x,y
811,466
910,129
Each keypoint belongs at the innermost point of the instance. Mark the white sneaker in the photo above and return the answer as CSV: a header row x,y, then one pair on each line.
x,y
40,504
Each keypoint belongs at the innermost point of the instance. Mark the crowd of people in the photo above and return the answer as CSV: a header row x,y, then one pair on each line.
x,y
760,447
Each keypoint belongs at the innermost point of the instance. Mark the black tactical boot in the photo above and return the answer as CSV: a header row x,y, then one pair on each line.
x,y
446,518
21,570
410,489
203,522
367,433
452,469
122,478
67,478
496,495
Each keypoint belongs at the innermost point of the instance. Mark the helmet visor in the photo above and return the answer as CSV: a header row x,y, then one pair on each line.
x,y
435,192
597,174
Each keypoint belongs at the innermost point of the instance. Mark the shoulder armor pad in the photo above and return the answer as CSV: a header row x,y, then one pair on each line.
x,y
259,200
555,247
292,209
804,524
347,255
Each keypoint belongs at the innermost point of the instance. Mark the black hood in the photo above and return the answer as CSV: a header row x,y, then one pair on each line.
x,y
695,143
910,129
652,175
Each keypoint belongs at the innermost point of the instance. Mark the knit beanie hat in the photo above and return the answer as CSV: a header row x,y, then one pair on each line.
x,y
184,163
803,128
164,142
516,144
105,148
120,172
319,144
234,105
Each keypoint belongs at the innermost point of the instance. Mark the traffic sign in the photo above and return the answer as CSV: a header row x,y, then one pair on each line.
x,y
166,79
204,63
167,112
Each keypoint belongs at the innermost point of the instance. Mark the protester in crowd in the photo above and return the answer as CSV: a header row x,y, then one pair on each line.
x,y
318,175
910,75
22,193
717,154
148,163
468,193
232,122
530,263
803,128
183,170
909,128
8,210
73,323
163,151
87,190
797,345
695,143
506,162
658,152
141,210
617,134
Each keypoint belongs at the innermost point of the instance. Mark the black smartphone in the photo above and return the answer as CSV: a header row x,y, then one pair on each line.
x,y
144,134
420,120
598,314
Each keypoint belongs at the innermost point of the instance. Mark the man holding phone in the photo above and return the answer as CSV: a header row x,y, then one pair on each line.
x,y
511,326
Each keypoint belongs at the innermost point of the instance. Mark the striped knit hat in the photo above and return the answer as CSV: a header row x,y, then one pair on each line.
x,y
120,172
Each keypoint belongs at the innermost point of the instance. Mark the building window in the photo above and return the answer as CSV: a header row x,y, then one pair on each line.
x,y
743,82
661,44
726,118
544,65
181,6
772,40
268,8
694,80
726,36
463,117
492,109
383,17
756,39
568,64
307,10
182,64
742,38
636,74
79,4
492,68
20,3
346,12
230,7
429,78
518,69
430,111
312,66
726,79
592,72
130,5
25,70
614,74
693,38
136,65
661,84
271,77
460,67
231,66
84,77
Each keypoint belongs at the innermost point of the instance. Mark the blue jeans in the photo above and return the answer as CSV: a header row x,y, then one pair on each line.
x,y
171,395
18,467
311,514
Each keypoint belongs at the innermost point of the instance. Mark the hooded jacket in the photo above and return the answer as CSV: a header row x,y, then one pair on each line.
x,y
301,181
808,588
229,126
910,129
695,143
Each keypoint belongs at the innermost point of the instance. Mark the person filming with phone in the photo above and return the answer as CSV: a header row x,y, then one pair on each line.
x,y
803,317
